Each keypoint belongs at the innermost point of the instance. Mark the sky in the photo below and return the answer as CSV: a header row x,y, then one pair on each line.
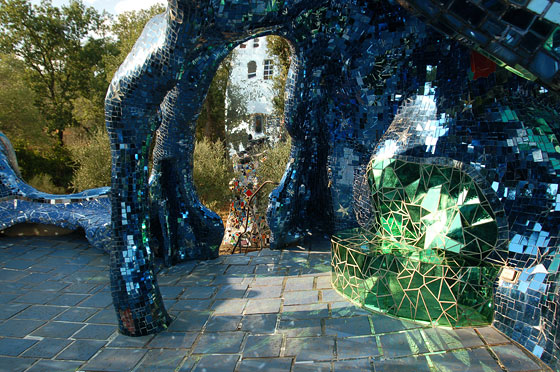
x,y
111,6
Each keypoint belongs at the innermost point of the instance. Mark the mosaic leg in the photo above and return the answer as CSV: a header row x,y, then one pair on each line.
x,y
301,204
132,119
136,295
134,286
192,230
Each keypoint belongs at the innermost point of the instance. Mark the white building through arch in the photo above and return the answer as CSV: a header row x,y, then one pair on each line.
x,y
251,85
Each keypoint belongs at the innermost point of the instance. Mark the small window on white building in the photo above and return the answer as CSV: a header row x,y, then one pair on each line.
x,y
256,43
258,124
268,69
251,69
242,45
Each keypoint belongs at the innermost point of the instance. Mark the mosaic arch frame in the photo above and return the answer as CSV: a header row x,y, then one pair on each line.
x,y
347,89
189,229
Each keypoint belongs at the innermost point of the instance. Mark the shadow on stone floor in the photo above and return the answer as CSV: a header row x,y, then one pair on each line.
x,y
261,311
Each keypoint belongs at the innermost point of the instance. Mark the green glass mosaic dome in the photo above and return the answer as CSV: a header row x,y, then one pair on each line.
x,y
430,254
431,213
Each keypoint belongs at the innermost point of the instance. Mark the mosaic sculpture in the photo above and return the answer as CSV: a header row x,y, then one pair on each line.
x,y
246,227
465,126
521,36
434,247
507,133
354,65
21,203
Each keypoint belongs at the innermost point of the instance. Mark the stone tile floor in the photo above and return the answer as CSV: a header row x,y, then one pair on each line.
x,y
261,311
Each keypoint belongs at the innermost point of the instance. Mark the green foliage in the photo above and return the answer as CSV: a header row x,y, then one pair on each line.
x,y
212,172
88,114
271,168
279,47
54,162
93,160
43,163
273,165
44,182
62,60
53,75
127,28
92,154
212,119
19,118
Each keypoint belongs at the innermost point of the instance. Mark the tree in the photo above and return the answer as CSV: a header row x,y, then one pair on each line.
x,y
211,122
271,168
93,159
19,118
91,152
63,59
212,172
279,47
43,165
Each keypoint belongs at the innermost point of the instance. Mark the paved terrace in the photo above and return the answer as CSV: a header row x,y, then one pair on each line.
x,y
262,311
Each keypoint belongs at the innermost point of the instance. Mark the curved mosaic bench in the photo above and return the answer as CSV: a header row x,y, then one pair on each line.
x,y
432,252
21,203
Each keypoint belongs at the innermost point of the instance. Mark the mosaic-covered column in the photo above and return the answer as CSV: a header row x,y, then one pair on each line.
x,y
132,117
188,229
300,204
